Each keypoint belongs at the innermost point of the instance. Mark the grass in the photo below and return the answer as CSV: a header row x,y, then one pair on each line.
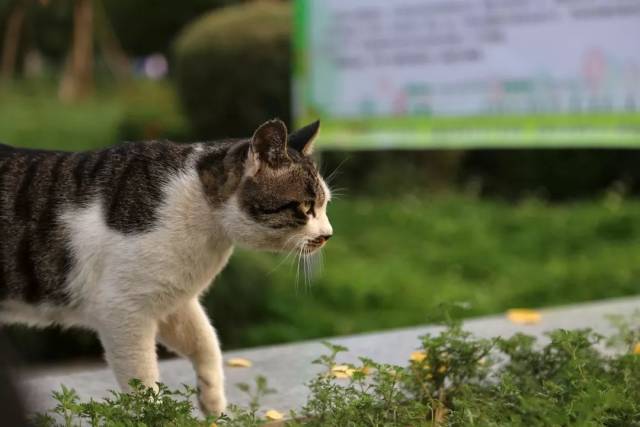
x,y
392,261
33,117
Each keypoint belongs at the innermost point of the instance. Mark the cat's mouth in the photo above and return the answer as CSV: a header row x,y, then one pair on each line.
x,y
313,245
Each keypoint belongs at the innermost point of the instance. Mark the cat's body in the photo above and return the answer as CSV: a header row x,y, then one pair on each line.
x,y
124,240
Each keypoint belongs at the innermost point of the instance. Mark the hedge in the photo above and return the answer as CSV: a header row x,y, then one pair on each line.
x,y
233,68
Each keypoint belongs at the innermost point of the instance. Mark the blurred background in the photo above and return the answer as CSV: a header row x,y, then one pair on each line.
x,y
472,167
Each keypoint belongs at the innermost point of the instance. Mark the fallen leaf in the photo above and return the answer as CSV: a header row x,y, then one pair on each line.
x,y
417,356
273,415
239,362
340,375
524,316
367,370
636,348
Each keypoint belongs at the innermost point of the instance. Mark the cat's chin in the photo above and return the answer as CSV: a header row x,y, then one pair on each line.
x,y
312,249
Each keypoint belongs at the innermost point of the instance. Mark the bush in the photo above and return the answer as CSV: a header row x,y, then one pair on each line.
x,y
161,20
454,379
490,254
233,68
150,112
557,174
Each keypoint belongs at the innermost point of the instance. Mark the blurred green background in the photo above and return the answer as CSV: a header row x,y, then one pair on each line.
x,y
490,229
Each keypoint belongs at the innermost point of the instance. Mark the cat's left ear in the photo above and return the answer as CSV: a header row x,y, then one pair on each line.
x,y
303,139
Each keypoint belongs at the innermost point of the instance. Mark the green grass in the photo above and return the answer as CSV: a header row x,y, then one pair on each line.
x,y
391,262
33,117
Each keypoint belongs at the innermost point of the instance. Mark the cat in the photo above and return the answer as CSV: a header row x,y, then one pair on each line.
x,y
126,239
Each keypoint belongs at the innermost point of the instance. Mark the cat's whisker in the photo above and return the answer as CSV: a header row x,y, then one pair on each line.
x,y
334,174
320,261
307,273
299,256
338,192
283,260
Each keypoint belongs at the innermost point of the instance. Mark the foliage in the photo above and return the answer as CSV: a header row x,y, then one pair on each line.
x,y
151,113
143,406
148,26
141,27
143,110
399,250
400,257
233,68
461,381
553,174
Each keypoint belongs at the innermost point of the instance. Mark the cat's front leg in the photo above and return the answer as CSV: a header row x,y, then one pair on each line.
x,y
189,333
129,342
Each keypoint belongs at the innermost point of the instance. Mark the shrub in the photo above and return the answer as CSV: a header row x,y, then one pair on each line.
x,y
150,112
232,68
460,380
148,26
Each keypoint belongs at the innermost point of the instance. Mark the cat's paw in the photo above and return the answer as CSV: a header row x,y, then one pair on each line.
x,y
212,401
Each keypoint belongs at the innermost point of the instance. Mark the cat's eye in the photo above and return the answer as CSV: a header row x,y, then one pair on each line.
x,y
307,207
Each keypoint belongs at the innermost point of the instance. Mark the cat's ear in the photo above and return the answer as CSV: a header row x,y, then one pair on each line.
x,y
269,144
303,139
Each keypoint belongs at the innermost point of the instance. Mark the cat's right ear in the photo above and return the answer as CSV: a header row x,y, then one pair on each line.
x,y
269,146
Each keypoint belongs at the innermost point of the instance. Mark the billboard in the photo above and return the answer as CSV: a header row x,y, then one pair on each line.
x,y
465,73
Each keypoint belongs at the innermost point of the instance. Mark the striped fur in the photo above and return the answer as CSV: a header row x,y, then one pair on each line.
x,y
124,240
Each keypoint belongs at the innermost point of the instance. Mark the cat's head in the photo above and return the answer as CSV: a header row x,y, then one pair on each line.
x,y
281,202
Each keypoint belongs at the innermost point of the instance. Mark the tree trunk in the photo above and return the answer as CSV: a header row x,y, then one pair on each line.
x,y
108,43
77,81
12,40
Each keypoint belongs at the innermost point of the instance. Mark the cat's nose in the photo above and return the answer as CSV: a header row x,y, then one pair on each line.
x,y
326,237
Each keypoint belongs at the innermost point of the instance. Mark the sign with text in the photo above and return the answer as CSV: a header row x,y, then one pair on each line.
x,y
437,73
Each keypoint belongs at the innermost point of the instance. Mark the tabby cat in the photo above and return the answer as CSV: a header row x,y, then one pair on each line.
x,y
125,240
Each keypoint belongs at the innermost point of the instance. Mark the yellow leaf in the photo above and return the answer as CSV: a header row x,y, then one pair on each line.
x,y
339,368
367,370
417,356
239,362
636,348
524,316
213,425
273,415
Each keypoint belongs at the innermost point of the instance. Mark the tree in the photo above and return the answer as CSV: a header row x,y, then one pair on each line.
x,y
77,79
15,23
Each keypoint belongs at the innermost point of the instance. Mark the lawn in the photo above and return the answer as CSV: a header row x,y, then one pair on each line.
x,y
392,261
33,117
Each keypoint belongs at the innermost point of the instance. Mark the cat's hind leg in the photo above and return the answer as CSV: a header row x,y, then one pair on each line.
x,y
189,333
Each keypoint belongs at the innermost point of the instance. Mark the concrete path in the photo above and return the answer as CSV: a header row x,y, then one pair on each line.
x,y
288,367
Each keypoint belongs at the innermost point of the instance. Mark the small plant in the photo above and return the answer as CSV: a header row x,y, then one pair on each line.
x,y
453,379
143,406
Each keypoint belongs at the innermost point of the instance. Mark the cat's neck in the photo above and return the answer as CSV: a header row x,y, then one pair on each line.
x,y
196,198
